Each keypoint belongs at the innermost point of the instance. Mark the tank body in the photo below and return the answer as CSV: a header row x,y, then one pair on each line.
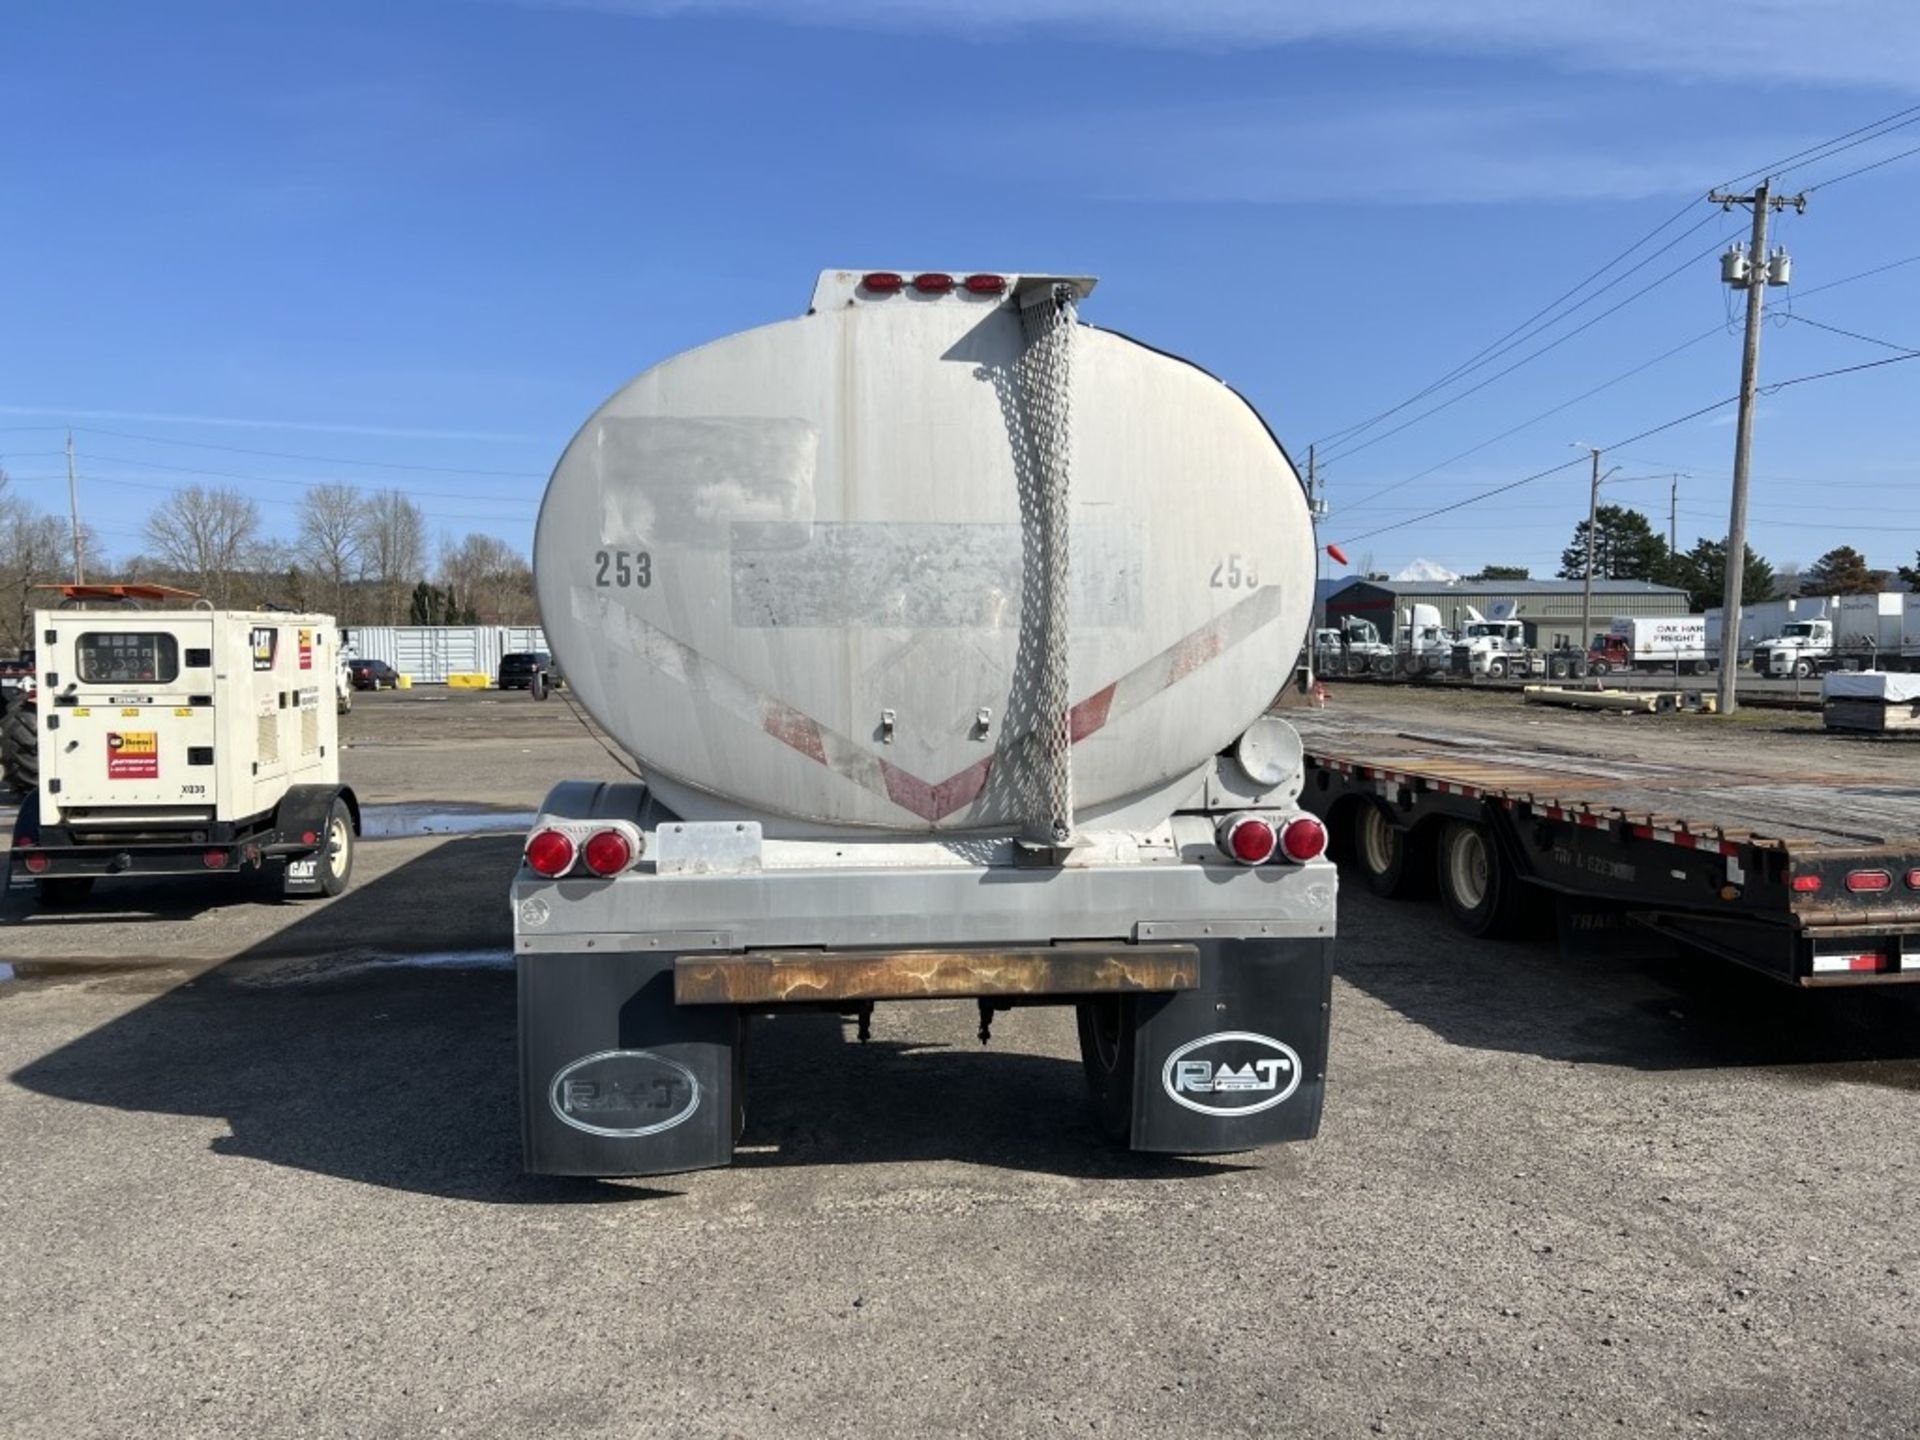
x,y
788,571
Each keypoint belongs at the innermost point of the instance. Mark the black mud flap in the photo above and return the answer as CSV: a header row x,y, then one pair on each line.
x,y
615,1079
1240,1061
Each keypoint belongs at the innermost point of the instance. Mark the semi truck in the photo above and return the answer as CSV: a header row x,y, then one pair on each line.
x,y
1500,648
1812,884
1853,632
162,737
1677,644
942,628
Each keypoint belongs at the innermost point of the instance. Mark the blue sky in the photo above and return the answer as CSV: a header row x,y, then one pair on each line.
x,y
361,238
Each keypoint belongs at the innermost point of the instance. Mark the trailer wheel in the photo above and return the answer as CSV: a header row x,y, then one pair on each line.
x,y
1109,1054
1383,853
336,851
1476,887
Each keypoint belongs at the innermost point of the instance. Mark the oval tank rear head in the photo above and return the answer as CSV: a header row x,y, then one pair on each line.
x,y
790,571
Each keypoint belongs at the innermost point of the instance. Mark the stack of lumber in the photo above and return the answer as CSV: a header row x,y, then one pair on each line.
x,y
1871,700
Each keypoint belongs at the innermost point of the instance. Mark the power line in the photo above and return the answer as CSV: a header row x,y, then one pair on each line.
x,y
1531,356
309,484
1851,334
314,459
1862,134
1778,385
1848,175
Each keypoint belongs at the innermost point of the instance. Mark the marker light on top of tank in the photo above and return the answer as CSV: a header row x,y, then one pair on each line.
x,y
934,282
882,282
986,284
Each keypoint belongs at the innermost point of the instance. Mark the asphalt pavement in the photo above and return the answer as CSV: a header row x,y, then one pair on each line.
x,y
266,1184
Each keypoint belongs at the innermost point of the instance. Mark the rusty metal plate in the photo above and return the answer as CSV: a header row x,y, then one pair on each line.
x,y
777,977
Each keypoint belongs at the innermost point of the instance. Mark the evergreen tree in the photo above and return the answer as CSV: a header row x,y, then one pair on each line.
x,y
1625,547
1702,573
1521,572
425,606
1841,571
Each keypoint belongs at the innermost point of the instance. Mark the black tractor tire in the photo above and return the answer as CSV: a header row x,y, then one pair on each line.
x,y
1558,667
1497,668
20,746
1803,669
1109,1053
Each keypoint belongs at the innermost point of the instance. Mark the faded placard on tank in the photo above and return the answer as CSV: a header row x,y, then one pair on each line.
x,y
921,576
685,481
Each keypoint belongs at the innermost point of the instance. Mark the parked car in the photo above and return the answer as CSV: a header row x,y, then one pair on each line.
x,y
372,675
517,670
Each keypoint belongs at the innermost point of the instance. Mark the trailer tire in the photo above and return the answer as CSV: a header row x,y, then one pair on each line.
x,y
20,746
1477,888
1382,852
1109,1053
336,849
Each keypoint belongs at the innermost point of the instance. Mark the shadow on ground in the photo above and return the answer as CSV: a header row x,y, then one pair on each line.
x,y
1686,1011
321,1055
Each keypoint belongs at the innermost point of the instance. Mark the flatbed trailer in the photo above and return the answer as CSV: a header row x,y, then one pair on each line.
x,y
1811,878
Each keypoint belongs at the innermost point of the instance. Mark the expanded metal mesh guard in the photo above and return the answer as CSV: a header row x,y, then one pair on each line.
x,y
1049,320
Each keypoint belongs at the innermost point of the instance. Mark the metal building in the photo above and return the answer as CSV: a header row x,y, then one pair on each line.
x,y
430,653
1550,609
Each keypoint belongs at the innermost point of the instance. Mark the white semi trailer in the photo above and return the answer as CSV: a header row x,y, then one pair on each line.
x,y
943,629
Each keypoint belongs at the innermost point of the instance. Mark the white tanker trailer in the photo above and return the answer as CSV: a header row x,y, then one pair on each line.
x,y
942,628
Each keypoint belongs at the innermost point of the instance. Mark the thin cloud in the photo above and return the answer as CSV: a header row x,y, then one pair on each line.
x,y
1816,41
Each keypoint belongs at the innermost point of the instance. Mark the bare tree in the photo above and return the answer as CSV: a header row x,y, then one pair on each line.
x,y
490,578
207,535
35,549
393,547
330,546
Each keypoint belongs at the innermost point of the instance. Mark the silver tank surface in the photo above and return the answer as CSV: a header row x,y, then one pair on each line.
x,y
787,570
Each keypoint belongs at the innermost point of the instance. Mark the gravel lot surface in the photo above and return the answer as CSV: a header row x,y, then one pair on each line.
x,y
260,1179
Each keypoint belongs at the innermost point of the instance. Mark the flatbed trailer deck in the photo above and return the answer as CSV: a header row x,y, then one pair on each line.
x,y
1814,878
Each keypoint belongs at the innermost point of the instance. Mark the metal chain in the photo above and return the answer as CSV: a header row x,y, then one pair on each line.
x,y
1049,322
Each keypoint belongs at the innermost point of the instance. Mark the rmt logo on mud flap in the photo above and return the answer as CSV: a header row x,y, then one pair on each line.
x,y
1235,1072
625,1094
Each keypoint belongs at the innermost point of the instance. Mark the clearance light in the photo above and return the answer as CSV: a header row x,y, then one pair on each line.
x,y
1869,881
1806,884
881,282
607,852
1304,839
933,283
1249,839
986,284
1913,879
550,853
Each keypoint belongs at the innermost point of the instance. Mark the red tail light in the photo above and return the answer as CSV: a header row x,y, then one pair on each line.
x,y
550,853
607,852
1913,879
214,859
1304,839
986,284
933,283
38,864
881,282
1868,881
1806,884
1249,839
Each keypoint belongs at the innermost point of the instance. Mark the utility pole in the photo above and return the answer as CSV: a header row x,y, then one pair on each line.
x,y
73,511
1753,271
1673,518
1593,523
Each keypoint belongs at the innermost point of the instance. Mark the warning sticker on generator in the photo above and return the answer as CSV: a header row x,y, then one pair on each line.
x,y
306,649
133,755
